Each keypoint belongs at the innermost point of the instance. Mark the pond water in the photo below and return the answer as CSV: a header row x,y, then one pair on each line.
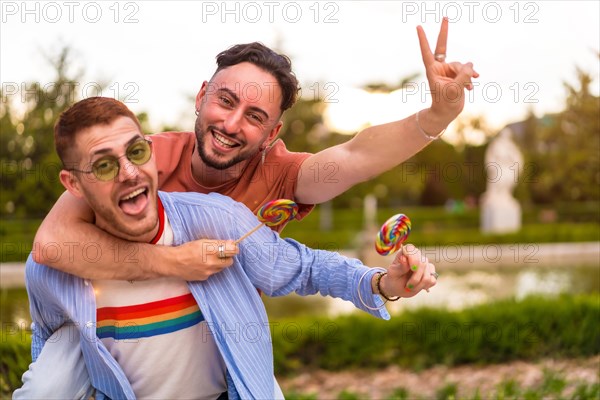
x,y
456,289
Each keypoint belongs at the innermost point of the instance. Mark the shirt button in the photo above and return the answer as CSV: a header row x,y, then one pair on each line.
x,y
86,282
89,324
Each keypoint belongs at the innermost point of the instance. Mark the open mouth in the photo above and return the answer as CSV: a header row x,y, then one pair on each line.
x,y
134,202
223,140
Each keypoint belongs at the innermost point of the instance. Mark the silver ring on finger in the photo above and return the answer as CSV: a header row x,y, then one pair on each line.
x,y
435,275
441,57
221,250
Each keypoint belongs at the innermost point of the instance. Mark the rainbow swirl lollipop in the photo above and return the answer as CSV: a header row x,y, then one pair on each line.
x,y
273,213
277,212
392,234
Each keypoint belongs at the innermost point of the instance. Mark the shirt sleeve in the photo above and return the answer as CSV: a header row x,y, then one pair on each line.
x,y
281,266
46,315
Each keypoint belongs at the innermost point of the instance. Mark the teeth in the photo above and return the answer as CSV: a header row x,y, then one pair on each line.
x,y
223,140
133,194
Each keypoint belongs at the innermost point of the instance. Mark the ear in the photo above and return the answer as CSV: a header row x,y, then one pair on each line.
x,y
274,132
70,182
201,94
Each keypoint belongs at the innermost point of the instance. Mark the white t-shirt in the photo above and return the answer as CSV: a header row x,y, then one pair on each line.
x,y
156,332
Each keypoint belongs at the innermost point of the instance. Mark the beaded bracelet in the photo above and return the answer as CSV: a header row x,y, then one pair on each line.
x,y
428,136
378,286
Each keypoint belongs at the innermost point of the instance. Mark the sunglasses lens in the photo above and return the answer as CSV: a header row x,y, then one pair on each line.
x,y
106,169
139,152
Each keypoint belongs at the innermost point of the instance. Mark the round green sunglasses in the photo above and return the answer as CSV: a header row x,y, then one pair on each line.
x,y
108,167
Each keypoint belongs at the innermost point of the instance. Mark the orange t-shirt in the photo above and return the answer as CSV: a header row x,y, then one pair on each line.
x,y
257,184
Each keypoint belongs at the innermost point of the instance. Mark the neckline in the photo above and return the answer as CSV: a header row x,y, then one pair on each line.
x,y
161,221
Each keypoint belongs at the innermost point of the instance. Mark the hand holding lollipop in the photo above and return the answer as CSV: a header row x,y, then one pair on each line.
x,y
391,236
273,213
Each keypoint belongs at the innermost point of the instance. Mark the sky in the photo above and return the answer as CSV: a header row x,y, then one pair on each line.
x,y
156,54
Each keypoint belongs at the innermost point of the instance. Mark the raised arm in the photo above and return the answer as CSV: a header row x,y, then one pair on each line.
x,y
68,241
379,148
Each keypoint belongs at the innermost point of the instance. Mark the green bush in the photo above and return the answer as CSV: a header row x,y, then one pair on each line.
x,y
16,238
566,326
16,357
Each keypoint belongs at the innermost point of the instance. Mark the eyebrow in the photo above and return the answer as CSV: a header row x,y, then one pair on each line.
x,y
109,150
237,100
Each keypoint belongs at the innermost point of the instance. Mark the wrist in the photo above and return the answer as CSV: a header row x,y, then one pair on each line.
x,y
161,261
381,278
433,121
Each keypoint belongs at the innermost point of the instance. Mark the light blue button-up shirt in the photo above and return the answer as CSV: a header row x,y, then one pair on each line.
x,y
228,300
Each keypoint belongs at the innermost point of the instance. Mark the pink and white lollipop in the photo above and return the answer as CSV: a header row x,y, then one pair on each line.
x,y
392,234
273,213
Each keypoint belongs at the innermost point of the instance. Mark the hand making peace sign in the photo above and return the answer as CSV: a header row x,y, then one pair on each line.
x,y
447,81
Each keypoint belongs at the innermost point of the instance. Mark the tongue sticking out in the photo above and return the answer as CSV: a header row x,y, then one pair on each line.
x,y
134,205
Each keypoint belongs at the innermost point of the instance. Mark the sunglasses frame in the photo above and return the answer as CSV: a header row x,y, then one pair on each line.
x,y
118,164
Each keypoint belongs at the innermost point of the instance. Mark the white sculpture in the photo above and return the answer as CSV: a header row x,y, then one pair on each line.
x,y
500,211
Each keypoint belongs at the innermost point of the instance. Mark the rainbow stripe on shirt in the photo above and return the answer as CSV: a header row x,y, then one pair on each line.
x,y
149,319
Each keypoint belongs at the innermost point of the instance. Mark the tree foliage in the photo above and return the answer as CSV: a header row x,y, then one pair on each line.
x,y
30,166
566,158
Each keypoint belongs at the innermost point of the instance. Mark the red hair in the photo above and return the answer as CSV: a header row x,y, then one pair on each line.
x,y
83,115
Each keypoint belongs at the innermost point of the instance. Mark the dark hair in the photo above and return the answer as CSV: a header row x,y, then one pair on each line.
x,y
86,114
278,65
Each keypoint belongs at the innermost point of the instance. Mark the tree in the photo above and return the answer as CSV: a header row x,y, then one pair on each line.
x,y
566,159
30,177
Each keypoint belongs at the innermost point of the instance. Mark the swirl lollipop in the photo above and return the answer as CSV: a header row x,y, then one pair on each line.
x,y
273,213
277,212
392,234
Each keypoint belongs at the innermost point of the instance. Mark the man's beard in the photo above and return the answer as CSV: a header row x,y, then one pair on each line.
x,y
214,162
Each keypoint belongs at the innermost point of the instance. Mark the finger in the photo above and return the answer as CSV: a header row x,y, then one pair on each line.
x,y
222,264
226,249
418,264
427,281
440,47
231,248
426,53
431,280
464,75
454,68
400,266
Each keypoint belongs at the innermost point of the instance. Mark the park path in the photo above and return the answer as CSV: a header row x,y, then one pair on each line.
x,y
424,384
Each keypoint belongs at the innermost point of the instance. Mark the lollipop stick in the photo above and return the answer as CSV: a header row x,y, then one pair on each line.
x,y
249,233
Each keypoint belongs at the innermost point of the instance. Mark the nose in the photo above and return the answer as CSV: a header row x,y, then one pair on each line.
x,y
233,121
127,170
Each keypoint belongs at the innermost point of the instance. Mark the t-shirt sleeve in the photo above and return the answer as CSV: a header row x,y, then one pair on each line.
x,y
172,150
296,160
285,167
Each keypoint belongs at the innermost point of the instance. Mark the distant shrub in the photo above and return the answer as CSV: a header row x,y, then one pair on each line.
x,y
531,329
